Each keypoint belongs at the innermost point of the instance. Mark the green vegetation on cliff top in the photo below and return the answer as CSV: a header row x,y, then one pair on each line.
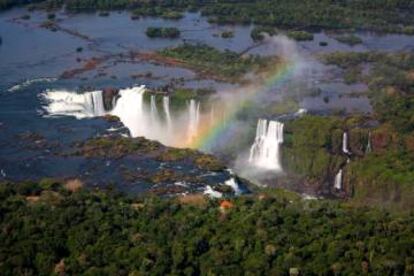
x,y
383,176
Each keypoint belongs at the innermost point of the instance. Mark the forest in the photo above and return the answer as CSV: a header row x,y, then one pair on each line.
x,y
52,227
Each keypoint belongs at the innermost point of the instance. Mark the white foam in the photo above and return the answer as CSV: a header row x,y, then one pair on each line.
x,y
26,83
234,185
212,193
265,151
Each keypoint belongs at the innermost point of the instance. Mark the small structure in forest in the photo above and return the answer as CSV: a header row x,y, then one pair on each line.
x,y
225,205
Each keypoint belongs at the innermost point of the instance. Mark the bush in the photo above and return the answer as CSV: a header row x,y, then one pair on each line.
x,y
155,32
258,31
349,39
227,34
300,35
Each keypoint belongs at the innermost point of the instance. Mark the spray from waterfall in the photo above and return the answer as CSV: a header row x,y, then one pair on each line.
x,y
166,106
233,184
131,111
265,151
212,115
193,120
154,109
178,129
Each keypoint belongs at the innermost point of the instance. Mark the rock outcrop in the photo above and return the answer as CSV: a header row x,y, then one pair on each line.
x,y
109,96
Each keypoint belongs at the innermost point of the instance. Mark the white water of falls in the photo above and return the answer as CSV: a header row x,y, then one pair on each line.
x,y
345,143
166,106
265,151
233,184
130,110
140,117
212,193
193,120
338,180
154,109
72,104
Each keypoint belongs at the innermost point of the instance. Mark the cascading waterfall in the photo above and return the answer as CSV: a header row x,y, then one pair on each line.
x,y
95,101
345,143
369,147
154,109
72,104
166,106
212,193
338,180
130,110
194,119
142,119
233,184
265,151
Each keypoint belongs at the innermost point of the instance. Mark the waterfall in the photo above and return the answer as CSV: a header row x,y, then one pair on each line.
x,y
369,147
301,112
345,143
212,193
141,118
84,105
265,151
193,120
233,184
338,180
130,110
97,108
154,109
166,106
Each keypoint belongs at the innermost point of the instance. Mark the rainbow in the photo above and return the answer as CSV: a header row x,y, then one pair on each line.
x,y
218,128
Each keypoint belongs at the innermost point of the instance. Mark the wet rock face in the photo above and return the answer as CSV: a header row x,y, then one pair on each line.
x,y
358,140
109,95
380,140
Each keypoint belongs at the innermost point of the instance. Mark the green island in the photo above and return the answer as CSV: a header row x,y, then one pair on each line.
x,y
158,32
206,60
349,39
257,32
300,35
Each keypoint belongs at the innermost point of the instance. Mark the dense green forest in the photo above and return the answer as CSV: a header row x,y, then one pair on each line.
x,y
382,15
50,228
